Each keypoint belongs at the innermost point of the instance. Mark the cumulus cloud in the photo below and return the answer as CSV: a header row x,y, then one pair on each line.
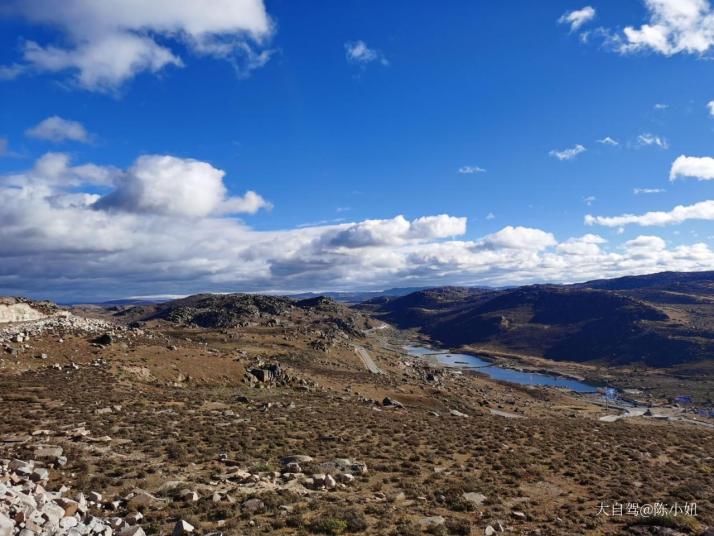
x,y
53,171
577,17
92,232
701,168
674,26
704,210
645,140
607,140
57,129
358,52
524,238
397,231
645,245
710,107
167,185
588,244
567,154
470,170
107,43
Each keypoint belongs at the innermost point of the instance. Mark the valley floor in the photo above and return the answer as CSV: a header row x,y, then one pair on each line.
x,y
171,423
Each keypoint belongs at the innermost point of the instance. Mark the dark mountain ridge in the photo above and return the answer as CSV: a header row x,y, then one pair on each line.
x,y
658,319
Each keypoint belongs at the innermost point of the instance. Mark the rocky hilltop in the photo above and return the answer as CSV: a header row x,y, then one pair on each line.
x,y
217,311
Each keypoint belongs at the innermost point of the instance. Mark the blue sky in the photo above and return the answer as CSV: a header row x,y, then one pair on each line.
x,y
329,140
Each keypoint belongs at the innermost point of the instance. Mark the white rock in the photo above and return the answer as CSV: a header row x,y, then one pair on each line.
x,y
182,527
68,522
6,525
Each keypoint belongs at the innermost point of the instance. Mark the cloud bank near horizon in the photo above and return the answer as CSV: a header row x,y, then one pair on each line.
x,y
167,225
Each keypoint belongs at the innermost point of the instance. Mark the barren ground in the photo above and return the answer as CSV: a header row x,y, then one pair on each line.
x,y
169,409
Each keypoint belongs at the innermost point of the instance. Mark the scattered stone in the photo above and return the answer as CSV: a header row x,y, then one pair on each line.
x,y
140,499
432,522
293,467
134,518
182,528
298,458
344,465
346,478
6,525
188,495
132,531
39,474
476,499
27,509
252,506
105,339
68,505
391,403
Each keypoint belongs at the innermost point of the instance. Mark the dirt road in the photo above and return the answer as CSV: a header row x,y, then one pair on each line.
x,y
367,360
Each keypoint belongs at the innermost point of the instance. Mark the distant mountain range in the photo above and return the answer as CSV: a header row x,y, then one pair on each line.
x,y
659,320
357,296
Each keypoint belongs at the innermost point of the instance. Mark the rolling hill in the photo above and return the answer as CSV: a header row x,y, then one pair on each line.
x,y
659,319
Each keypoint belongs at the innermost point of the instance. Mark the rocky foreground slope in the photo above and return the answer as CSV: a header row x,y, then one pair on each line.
x,y
263,419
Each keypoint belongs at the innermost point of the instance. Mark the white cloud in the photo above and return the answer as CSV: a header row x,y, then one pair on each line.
x,y
61,238
701,168
661,106
607,140
704,210
588,244
173,186
577,18
567,154
108,42
358,52
52,171
56,129
469,170
589,200
710,107
518,238
644,140
645,244
490,216
398,231
674,26
638,191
